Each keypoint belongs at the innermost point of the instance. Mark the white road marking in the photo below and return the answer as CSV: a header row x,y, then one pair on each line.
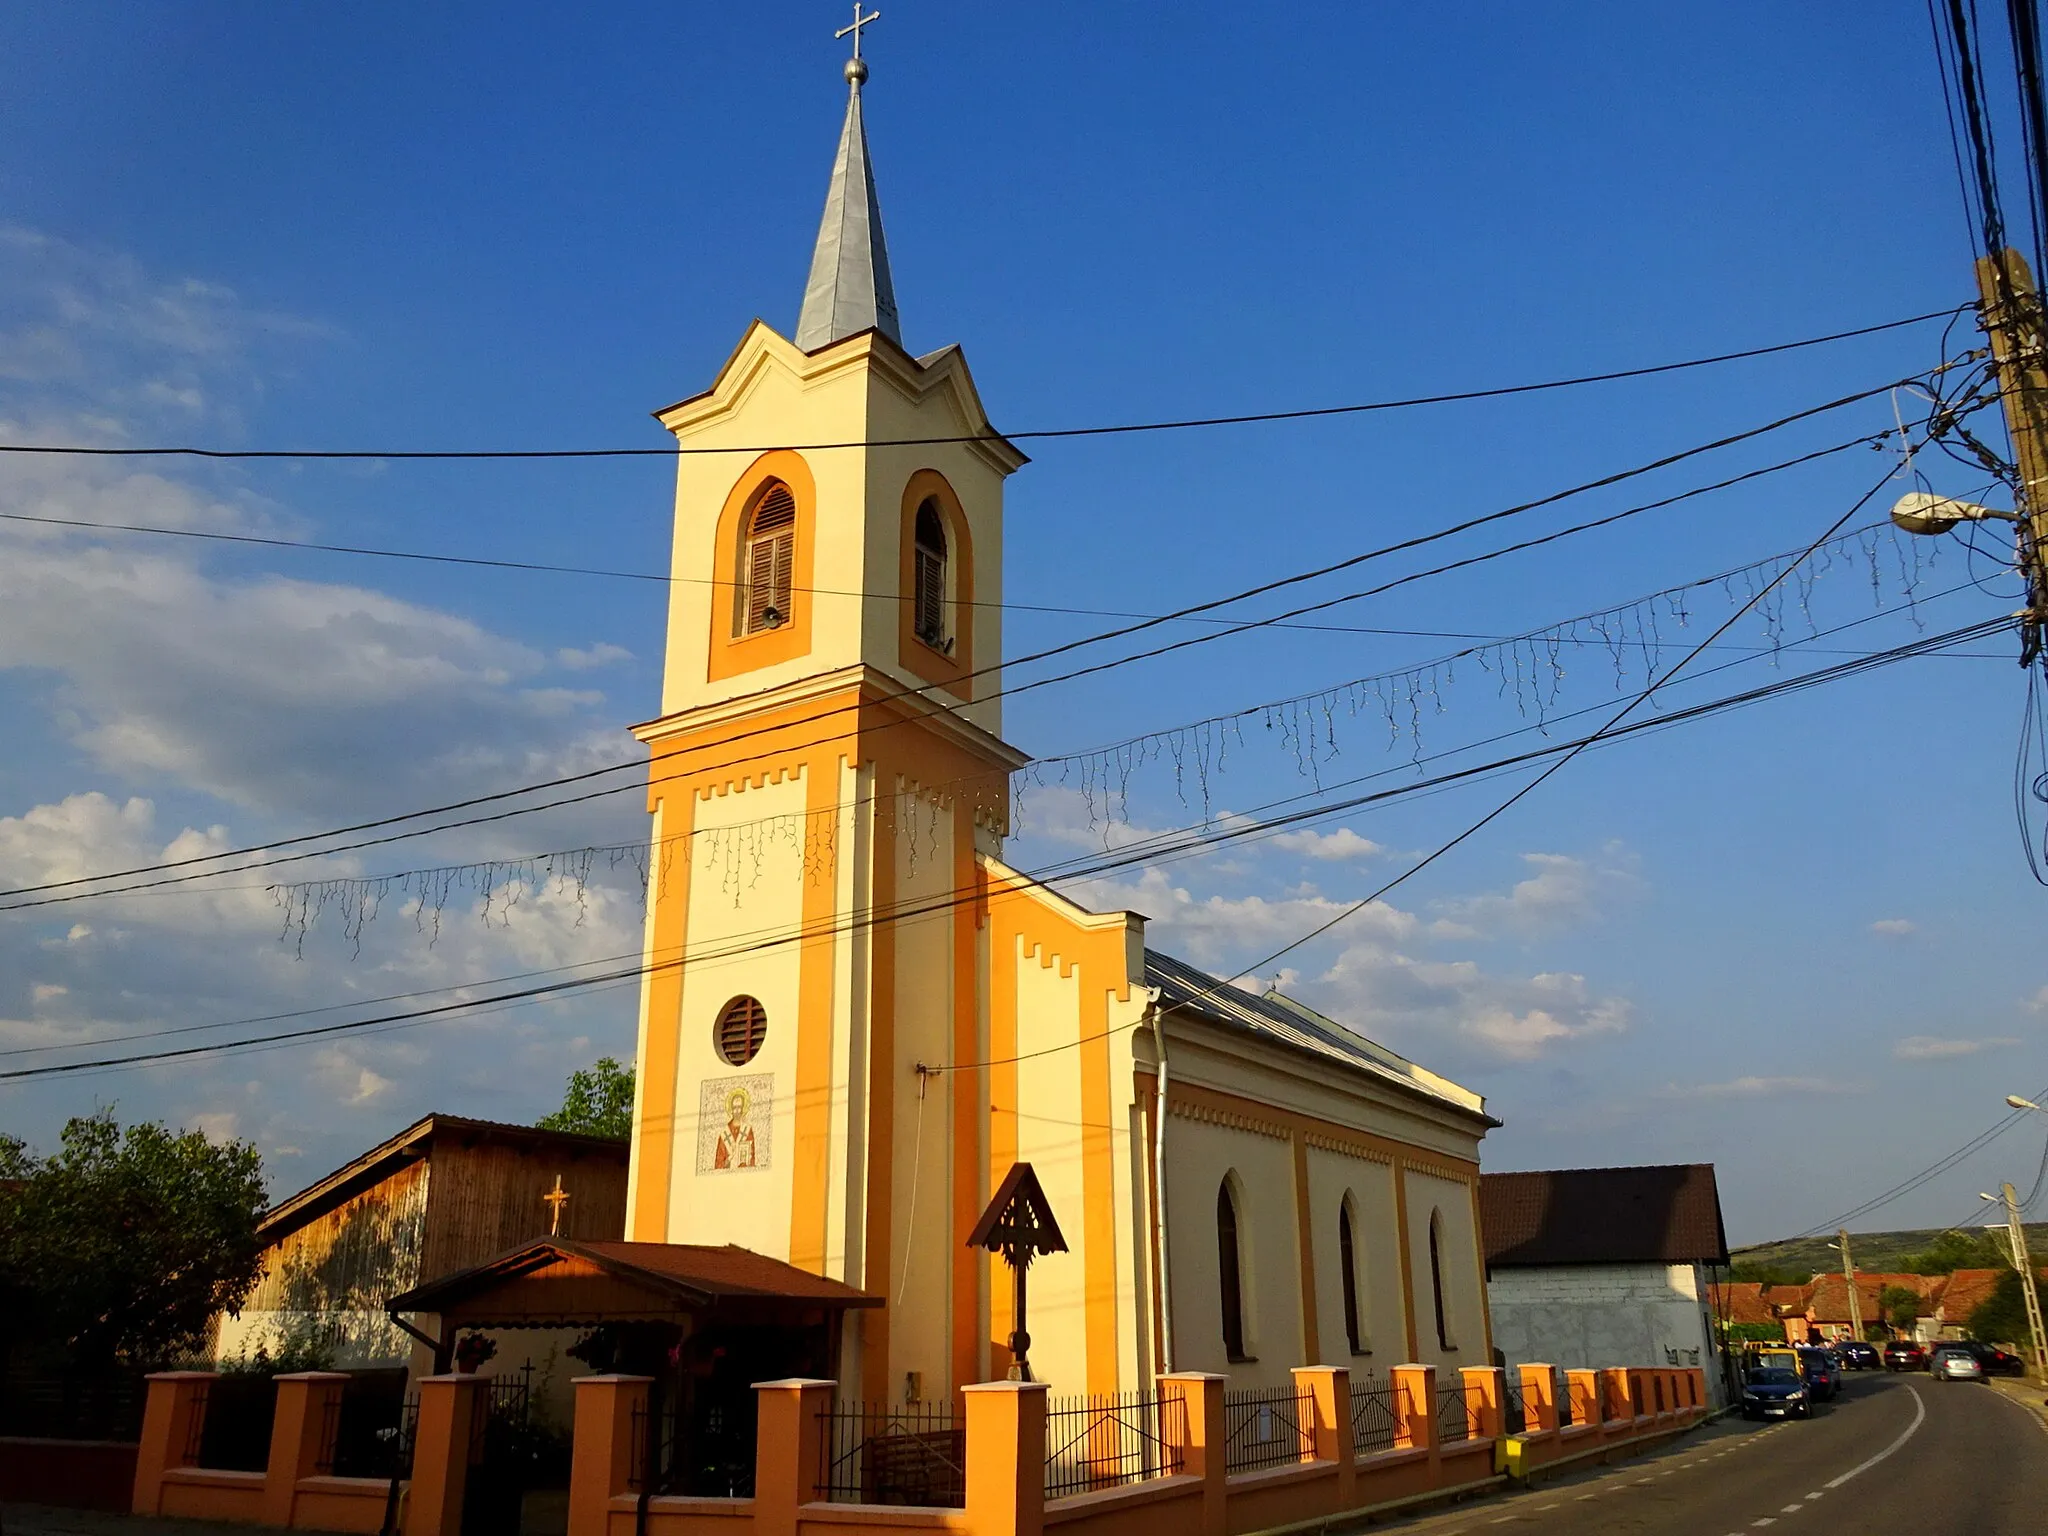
x,y
1540,1508
1585,1496
1821,1495
1767,1520
1919,1417
1791,1509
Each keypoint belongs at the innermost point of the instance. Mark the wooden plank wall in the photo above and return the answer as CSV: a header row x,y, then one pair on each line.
x,y
486,1197
364,1250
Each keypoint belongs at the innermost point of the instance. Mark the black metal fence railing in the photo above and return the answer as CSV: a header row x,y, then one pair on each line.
x,y
78,1406
195,1428
1372,1419
234,1428
1107,1441
708,1453
1455,1404
1266,1427
871,1454
1562,1396
1514,1415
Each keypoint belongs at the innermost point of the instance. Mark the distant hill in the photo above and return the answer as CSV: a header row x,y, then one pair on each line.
x,y
1871,1250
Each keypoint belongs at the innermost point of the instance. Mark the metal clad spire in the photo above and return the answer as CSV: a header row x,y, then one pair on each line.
x,y
849,290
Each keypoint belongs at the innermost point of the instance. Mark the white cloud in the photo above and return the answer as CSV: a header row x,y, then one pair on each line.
x,y
1761,1088
1342,844
1938,1048
1564,892
2038,1003
1894,927
216,1125
574,659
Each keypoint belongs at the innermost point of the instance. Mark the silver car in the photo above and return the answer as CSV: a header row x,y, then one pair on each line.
x,y
1954,1362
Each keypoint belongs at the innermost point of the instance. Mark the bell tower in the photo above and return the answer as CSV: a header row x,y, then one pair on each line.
x,y
825,771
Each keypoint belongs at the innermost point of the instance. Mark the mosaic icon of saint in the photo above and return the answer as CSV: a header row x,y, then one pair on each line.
x,y
736,1141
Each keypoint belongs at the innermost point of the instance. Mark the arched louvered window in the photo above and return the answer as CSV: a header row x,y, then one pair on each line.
x,y
928,575
742,1026
1436,1280
1347,1262
1229,1273
767,561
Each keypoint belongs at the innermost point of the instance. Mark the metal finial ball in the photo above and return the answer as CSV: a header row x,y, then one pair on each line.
x,y
856,70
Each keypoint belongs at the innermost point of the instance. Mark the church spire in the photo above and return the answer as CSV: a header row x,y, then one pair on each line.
x,y
849,290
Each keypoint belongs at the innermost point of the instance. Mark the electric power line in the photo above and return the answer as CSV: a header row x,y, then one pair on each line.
x,y
922,694
1563,751
1042,434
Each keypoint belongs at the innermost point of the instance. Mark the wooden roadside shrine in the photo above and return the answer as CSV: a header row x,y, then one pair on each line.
x,y
1019,1225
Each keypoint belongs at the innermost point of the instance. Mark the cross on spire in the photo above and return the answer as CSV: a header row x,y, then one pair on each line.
x,y
859,21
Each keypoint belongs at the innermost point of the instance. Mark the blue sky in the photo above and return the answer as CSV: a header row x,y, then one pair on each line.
x,y
1797,940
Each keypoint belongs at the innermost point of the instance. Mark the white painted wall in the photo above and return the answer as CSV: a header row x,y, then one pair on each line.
x,y
1591,1316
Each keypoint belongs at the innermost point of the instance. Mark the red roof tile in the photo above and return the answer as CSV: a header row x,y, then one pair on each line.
x,y
1667,1215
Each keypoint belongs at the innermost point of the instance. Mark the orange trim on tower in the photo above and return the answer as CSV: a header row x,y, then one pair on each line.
x,y
811,1170
969,1189
654,1111
878,1243
1407,1269
1098,1189
950,669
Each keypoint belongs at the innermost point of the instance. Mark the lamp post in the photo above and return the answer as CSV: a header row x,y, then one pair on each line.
x,y
2022,1260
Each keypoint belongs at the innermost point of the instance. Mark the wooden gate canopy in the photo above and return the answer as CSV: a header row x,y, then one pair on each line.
x,y
565,1283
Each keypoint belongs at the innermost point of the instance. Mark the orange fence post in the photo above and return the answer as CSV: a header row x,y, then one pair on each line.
x,y
1539,1399
1203,1452
786,1438
172,1420
1415,1408
1485,1405
1698,1377
601,1452
1329,1438
440,1454
1584,1387
1005,1458
302,1430
1617,1411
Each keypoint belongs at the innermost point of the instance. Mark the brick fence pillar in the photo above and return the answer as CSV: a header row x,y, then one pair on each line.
x,y
1539,1399
1617,1412
301,1437
440,1454
1415,1409
1329,1437
1584,1387
172,1420
601,1448
1005,1458
1203,1453
786,1436
1485,1401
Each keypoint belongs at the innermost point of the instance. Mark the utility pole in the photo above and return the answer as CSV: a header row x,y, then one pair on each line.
x,y
1849,1278
2025,1264
2013,320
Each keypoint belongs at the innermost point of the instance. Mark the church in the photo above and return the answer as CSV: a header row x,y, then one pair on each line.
x,y
856,1017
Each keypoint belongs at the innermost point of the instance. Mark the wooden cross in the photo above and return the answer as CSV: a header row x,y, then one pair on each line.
x,y
556,1199
1019,1225
859,21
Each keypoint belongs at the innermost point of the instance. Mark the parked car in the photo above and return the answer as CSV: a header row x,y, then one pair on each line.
x,y
1955,1362
1823,1375
1904,1355
1771,1393
1859,1356
1999,1362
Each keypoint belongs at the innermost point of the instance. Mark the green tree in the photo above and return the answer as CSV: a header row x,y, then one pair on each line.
x,y
1952,1251
123,1245
598,1102
1756,1333
2001,1318
1900,1306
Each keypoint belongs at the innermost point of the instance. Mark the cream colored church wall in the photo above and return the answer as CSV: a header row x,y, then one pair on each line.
x,y
1049,1114
919,1266
1464,1285
1376,1248
1199,1155
746,882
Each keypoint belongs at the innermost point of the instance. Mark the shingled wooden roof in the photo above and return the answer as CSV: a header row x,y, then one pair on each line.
x,y
1656,1215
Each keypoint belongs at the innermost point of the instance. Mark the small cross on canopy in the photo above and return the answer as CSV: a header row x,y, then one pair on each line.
x,y
1019,1225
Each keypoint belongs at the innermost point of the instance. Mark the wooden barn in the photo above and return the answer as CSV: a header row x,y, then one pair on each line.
x,y
443,1195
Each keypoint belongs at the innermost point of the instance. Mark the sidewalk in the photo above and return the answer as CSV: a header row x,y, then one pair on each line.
x,y
2027,1392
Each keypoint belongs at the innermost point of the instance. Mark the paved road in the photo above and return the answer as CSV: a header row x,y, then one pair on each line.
x,y
1893,1456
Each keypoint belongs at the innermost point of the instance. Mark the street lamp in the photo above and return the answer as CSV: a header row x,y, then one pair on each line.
x,y
2019,1103
1919,512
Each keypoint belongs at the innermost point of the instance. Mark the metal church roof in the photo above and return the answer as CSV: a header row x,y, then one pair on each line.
x,y
849,290
1274,1016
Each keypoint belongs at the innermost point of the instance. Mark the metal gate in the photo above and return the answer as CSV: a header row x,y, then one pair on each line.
x,y
500,1456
